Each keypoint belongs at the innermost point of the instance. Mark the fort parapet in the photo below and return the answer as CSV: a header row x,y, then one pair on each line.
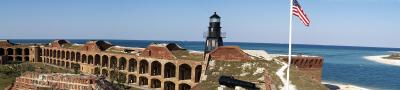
x,y
35,81
312,65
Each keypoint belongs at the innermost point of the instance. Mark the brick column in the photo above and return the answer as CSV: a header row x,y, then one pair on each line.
x,y
193,75
177,74
162,70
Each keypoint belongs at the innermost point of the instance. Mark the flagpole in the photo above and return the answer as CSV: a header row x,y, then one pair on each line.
x,y
290,46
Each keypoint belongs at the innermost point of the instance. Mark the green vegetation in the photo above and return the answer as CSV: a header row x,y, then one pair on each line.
x,y
184,54
394,56
246,71
9,72
304,82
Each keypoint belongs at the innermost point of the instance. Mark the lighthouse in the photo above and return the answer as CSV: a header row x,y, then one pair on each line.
x,y
213,36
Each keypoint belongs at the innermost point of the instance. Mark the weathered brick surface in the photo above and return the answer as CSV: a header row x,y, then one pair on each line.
x,y
312,65
155,51
31,80
229,53
5,43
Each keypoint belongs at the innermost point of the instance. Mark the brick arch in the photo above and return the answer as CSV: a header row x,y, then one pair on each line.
x,y
54,53
78,57
131,78
169,70
104,61
90,59
26,51
122,63
10,51
97,60
143,81
143,66
72,56
97,71
168,85
58,53
132,65
18,51
184,86
84,58
113,62
155,68
67,56
197,73
2,52
26,58
185,72
62,54
155,83
104,72
19,58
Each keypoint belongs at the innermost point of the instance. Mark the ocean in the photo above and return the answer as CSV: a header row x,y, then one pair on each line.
x,y
342,64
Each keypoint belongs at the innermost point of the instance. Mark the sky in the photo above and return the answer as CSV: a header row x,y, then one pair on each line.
x,y
371,23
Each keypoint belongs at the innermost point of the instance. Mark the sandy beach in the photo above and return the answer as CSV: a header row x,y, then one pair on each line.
x,y
337,86
380,59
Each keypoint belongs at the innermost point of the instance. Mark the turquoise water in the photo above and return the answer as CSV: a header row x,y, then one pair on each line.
x,y
342,64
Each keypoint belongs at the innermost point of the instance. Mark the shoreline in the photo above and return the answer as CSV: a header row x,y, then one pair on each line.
x,y
338,86
380,59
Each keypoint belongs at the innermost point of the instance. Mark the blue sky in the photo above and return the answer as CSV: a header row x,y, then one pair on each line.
x,y
333,22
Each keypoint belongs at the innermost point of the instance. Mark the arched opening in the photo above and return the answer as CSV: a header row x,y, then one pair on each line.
x,y
97,60
169,70
121,77
62,63
184,86
113,62
168,85
185,72
113,75
26,58
9,59
26,51
10,51
2,52
46,52
197,73
84,58
143,66
155,83
131,79
104,72
67,65
18,58
122,63
67,56
58,54
143,81
97,71
90,59
132,65
54,53
62,54
72,56
155,68
78,57
104,59
18,51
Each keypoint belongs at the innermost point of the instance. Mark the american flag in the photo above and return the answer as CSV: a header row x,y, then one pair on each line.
x,y
297,11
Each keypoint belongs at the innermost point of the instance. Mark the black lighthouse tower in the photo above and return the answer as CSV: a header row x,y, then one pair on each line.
x,y
213,37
